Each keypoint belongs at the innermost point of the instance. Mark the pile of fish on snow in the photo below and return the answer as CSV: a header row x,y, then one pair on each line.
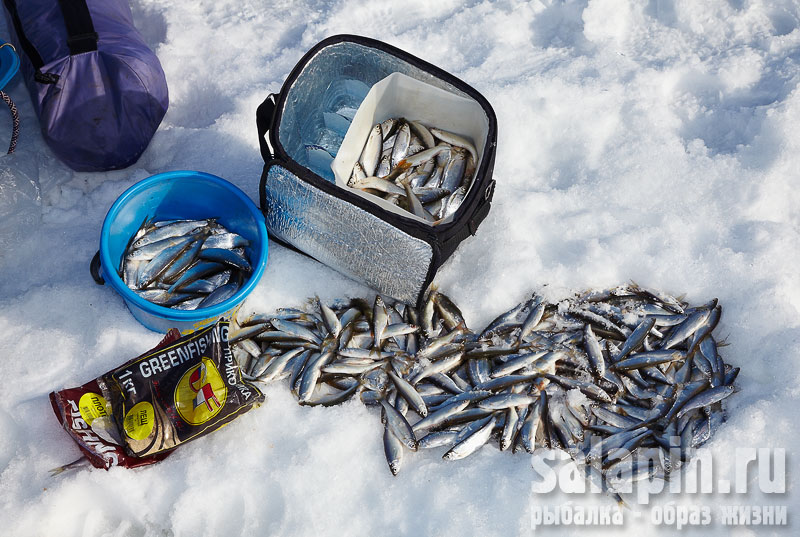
x,y
600,375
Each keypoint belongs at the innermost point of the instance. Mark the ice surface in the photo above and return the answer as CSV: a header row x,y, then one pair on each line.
x,y
653,141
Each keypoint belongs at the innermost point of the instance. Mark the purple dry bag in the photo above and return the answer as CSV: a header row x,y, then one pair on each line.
x,y
98,90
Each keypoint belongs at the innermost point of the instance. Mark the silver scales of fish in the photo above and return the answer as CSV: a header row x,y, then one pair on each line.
x,y
185,264
424,170
603,375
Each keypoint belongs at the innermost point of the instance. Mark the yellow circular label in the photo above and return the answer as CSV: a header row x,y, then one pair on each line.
x,y
201,393
139,421
92,406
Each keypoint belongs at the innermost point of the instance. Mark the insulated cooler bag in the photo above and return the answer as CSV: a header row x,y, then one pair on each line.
x,y
396,255
98,90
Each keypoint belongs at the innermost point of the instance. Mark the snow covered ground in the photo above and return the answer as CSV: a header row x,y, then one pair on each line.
x,y
649,141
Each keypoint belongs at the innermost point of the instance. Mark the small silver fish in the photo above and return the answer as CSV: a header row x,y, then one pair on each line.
x,y
371,153
401,143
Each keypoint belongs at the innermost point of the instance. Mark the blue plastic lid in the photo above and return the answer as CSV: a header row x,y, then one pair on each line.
x,y
9,63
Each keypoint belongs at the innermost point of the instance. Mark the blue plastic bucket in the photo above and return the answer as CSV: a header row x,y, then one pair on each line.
x,y
9,63
181,195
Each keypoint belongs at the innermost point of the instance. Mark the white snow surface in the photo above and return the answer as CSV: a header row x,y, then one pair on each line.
x,y
653,141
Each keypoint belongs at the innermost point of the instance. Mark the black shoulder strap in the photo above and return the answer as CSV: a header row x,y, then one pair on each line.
x,y
264,114
81,36
27,47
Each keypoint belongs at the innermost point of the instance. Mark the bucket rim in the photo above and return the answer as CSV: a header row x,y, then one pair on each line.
x,y
112,277
9,63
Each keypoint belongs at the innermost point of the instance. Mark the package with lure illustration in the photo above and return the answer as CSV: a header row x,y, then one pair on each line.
x,y
138,413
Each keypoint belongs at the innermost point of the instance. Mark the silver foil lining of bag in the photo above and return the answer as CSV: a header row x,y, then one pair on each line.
x,y
345,237
330,88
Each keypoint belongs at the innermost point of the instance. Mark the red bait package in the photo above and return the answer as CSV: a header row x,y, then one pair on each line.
x,y
136,414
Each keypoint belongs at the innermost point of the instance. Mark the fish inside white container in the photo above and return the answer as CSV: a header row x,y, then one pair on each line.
x,y
400,96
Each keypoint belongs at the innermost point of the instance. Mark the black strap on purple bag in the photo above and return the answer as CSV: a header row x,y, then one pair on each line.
x,y
27,47
81,36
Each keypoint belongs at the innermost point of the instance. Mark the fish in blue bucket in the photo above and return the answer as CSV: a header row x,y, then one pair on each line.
x,y
183,249
185,264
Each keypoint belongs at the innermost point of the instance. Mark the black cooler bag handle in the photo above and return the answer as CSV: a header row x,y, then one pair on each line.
x,y
264,114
